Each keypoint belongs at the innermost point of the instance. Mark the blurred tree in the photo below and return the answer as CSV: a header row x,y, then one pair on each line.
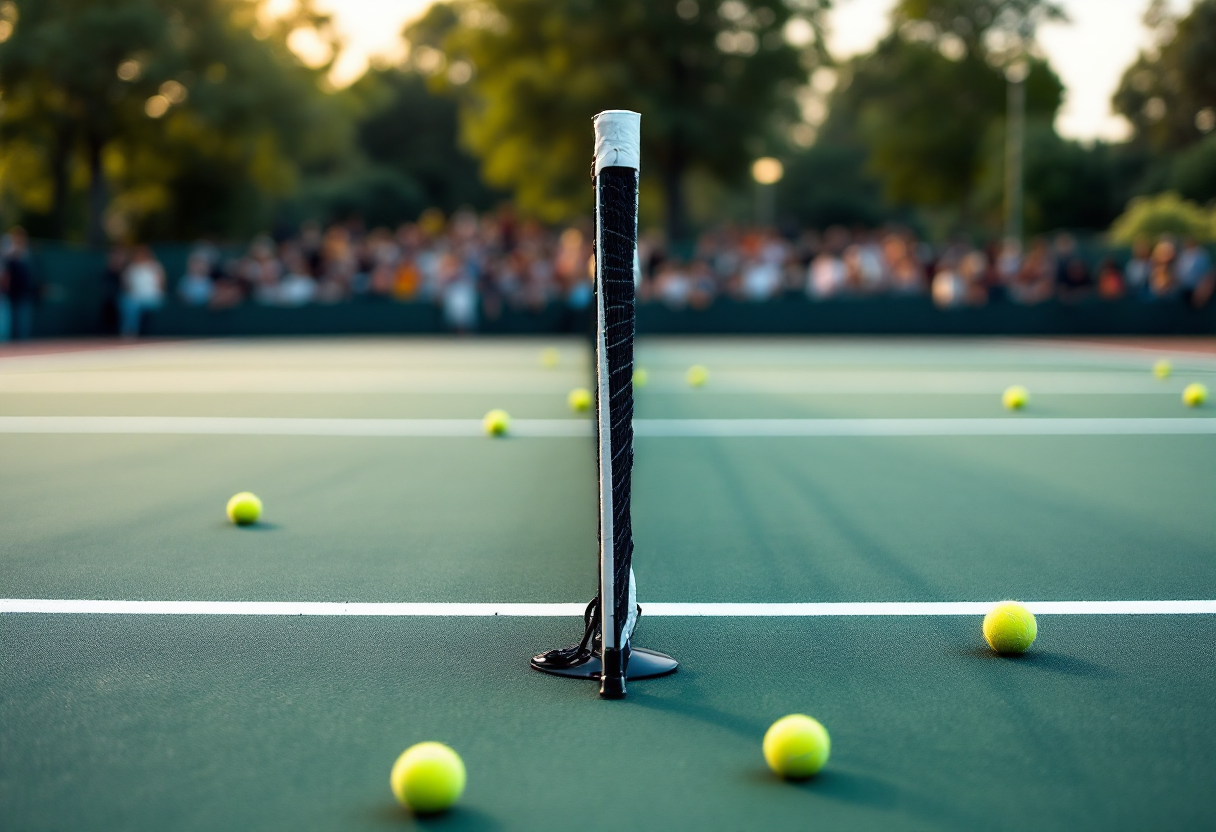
x,y
409,129
714,82
926,138
1169,93
1193,172
986,28
828,184
1068,185
1165,213
179,117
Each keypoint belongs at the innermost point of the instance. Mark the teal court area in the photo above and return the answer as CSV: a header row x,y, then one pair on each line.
x,y
818,530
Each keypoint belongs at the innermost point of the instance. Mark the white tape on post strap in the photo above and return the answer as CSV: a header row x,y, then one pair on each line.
x,y
618,140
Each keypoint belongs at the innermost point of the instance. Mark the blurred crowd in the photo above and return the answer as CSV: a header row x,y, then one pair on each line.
x,y
471,266
759,265
476,267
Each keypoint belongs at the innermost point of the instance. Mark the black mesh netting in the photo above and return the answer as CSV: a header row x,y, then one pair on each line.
x,y
616,243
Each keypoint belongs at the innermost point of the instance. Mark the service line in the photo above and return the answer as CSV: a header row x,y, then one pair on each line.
x,y
643,428
657,609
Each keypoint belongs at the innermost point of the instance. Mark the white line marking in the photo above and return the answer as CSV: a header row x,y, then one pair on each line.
x,y
1014,426
662,610
255,426
643,428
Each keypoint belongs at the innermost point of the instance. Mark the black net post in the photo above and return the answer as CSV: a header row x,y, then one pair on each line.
x,y
605,652
617,139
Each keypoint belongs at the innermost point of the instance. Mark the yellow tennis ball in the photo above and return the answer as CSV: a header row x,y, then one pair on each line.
x,y
1194,395
244,508
1010,628
550,357
640,377
1016,397
427,777
496,422
697,375
579,400
796,746
1162,369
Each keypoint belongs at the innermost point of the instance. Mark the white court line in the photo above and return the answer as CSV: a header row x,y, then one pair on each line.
x,y
658,609
643,428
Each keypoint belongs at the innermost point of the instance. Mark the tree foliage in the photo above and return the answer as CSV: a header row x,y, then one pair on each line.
x,y
179,117
997,28
409,129
714,82
1165,213
925,139
1169,93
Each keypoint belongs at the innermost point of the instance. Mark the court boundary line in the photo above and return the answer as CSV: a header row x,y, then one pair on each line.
x,y
814,609
643,428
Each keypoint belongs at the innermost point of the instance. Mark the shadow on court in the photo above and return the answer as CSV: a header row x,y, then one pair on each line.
x,y
459,819
1050,662
253,527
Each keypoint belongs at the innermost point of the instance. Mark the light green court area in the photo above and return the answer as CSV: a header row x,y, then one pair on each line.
x,y
125,722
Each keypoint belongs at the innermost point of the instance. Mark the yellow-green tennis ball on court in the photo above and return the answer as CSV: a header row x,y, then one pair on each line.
x,y
1162,369
549,357
640,377
496,422
579,400
1016,397
244,508
796,746
427,777
1010,628
1194,395
697,375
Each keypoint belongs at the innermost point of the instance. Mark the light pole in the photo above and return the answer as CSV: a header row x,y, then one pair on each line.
x,y
767,172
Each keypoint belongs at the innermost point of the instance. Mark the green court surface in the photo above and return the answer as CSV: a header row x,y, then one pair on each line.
x,y
125,721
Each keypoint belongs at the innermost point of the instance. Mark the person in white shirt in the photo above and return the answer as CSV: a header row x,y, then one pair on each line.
x,y
143,289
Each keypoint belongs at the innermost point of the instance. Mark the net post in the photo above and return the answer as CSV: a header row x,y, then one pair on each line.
x,y
605,653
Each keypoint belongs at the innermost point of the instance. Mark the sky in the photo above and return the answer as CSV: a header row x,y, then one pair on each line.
x,y
1089,52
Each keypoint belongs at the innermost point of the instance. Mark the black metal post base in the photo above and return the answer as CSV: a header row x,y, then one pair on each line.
x,y
642,664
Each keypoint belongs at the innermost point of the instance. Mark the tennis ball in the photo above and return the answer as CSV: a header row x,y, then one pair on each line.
x,y
549,357
1010,628
640,377
1016,397
1194,395
796,746
697,375
1162,369
496,422
427,777
244,508
579,400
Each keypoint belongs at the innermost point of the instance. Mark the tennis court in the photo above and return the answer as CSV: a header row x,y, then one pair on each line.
x,y
818,530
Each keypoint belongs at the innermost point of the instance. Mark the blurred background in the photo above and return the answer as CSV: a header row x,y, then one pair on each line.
x,y
202,167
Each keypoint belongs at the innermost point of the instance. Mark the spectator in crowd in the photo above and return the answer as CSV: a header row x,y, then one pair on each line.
x,y
1111,284
1139,268
298,288
828,275
17,288
1072,275
143,289
195,288
1162,281
1036,278
1195,276
907,275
